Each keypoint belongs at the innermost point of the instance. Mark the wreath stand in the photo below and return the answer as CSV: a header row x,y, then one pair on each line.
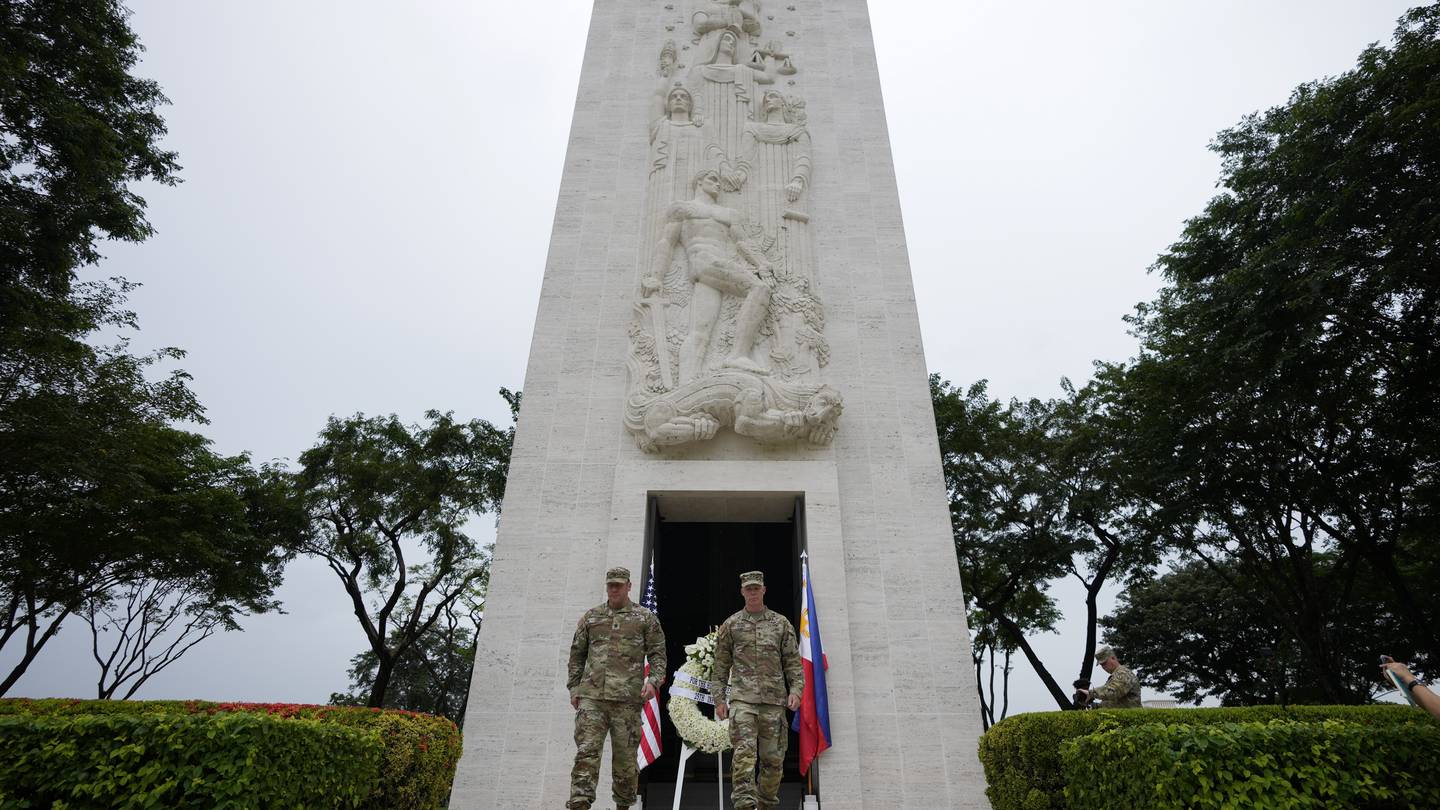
x,y
685,753
690,687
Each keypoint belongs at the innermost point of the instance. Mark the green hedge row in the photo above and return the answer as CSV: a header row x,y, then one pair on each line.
x,y
232,761
418,751
1021,754
1276,764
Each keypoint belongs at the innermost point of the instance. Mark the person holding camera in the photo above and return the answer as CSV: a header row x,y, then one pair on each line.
x,y
1121,691
1419,693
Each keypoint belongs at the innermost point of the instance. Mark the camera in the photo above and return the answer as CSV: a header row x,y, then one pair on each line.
x,y
1080,698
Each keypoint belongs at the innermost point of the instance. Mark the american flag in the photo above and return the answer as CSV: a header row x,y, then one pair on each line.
x,y
649,750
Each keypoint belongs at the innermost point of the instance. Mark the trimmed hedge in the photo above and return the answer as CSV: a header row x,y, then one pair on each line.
x,y
1276,764
419,750
183,761
1021,754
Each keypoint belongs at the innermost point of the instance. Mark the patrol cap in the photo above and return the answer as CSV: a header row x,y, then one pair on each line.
x,y
617,574
1104,654
752,578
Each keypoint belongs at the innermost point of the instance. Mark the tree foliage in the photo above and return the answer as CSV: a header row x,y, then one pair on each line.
x,y
100,491
103,494
1281,411
387,506
77,129
433,676
1035,497
1200,631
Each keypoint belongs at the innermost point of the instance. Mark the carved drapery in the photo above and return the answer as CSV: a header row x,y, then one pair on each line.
x,y
728,329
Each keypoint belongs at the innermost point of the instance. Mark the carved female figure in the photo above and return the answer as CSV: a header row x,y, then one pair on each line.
x,y
726,83
773,174
677,148
774,167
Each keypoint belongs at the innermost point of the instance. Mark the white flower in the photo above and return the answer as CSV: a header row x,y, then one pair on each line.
x,y
697,730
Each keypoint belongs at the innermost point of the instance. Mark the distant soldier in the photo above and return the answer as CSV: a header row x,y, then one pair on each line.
x,y
607,668
757,676
1122,690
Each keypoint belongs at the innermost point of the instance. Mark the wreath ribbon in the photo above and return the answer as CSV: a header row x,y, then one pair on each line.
x,y
685,677
687,692
680,691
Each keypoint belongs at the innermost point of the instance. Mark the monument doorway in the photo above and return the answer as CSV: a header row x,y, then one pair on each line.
x,y
699,544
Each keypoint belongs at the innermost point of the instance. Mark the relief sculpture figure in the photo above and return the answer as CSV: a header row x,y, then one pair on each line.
x,y
719,260
726,83
743,15
767,410
776,153
675,136
677,152
772,175
727,329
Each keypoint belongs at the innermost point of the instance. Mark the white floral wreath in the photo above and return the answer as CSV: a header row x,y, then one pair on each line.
x,y
697,730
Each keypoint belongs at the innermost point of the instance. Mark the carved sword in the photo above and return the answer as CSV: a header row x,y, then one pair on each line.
x,y
657,304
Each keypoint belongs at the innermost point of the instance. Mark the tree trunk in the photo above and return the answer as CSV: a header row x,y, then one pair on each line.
x,y
1061,698
1092,593
32,649
980,690
383,670
1005,707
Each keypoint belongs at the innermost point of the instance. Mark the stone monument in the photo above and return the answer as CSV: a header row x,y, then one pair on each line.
x,y
726,370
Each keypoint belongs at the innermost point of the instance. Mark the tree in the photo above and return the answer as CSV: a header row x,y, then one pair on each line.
x,y
433,676
1200,632
1033,612
1006,521
76,130
1081,458
105,501
1282,410
1036,495
380,495
144,626
99,491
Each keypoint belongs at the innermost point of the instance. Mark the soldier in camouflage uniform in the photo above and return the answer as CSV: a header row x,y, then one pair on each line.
x,y
607,668
1122,690
757,676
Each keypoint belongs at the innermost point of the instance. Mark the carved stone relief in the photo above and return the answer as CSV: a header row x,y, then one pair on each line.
x,y
728,328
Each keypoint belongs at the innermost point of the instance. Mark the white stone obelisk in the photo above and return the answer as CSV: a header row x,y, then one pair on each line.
x,y
727,312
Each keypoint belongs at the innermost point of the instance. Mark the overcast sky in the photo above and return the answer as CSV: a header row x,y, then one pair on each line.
x,y
369,187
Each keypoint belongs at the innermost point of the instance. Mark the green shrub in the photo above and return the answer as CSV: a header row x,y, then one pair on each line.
x,y
183,761
419,762
1021,754
1277,764
420,750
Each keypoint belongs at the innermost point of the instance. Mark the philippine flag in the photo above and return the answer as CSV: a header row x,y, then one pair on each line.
x,y
813,719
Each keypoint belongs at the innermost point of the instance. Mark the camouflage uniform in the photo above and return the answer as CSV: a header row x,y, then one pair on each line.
x,y
607,670
1122,690
756,656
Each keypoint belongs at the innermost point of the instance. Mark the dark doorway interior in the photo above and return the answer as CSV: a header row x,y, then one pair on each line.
x,y
697,585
